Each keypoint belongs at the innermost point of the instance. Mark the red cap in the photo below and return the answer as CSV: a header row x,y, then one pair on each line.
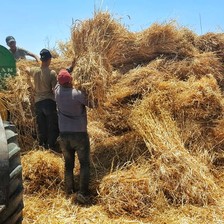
x,y
64,77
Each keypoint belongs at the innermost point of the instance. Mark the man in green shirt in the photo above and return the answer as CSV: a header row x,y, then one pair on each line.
x,y
45,80
18,53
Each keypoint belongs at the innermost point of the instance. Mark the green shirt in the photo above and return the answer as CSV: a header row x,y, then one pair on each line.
x,y
44,83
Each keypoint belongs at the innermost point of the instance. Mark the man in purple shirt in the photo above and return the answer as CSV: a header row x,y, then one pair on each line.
x,y
72,117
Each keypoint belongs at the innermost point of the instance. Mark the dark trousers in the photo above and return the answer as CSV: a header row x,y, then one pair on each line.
x,y
70,143
47,123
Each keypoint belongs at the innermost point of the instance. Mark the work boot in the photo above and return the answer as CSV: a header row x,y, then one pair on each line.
x,y
69,183
82,198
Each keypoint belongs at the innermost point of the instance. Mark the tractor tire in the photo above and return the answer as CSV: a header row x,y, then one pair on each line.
x,y
12,214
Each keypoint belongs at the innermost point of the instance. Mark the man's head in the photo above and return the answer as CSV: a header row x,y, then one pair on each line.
x,y
45,55
11,41
64,78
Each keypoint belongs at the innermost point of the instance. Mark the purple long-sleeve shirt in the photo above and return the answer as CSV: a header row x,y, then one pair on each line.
x,y
71,104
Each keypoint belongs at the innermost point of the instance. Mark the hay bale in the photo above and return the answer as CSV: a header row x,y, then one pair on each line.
x,y
134,84
105,36
197,100
92,75
166,39
211,42
128,192
199,65
182,177
196,105
122,95
42,170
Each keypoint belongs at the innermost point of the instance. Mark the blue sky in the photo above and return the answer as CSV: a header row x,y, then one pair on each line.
x,y
38,24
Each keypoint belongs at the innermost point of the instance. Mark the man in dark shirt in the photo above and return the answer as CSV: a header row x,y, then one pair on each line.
x,y
71,105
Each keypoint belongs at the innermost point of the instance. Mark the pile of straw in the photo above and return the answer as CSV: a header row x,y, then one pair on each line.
x,y
122,95
156,135
105,36
129,192
182,177
41,170
211,42
92,76
198,66
166,39
195,99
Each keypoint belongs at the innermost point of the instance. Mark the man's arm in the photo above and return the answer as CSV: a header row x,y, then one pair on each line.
x,y
28,76
53,79
84,99
33,55
70,69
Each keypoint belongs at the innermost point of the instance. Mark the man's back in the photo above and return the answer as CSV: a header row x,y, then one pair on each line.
x,y
44,83
71,105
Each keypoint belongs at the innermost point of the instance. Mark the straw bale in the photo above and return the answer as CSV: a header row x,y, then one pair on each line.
x,y
122,95
115,118
198,66
126,50
166,39
92,75
128,192
198,100
41,170
196,105
211,42
182,177
203,102
134,84
106,36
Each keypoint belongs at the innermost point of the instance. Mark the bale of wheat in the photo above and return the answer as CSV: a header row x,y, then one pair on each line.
x,y
182,177
129,192
41,170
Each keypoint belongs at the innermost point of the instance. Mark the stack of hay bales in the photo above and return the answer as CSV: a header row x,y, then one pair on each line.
x,y
160,106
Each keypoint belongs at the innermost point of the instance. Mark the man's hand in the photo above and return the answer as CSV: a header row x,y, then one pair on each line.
x,y
27,70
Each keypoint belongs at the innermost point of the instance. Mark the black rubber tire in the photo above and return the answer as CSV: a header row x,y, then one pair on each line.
x,y
12,214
